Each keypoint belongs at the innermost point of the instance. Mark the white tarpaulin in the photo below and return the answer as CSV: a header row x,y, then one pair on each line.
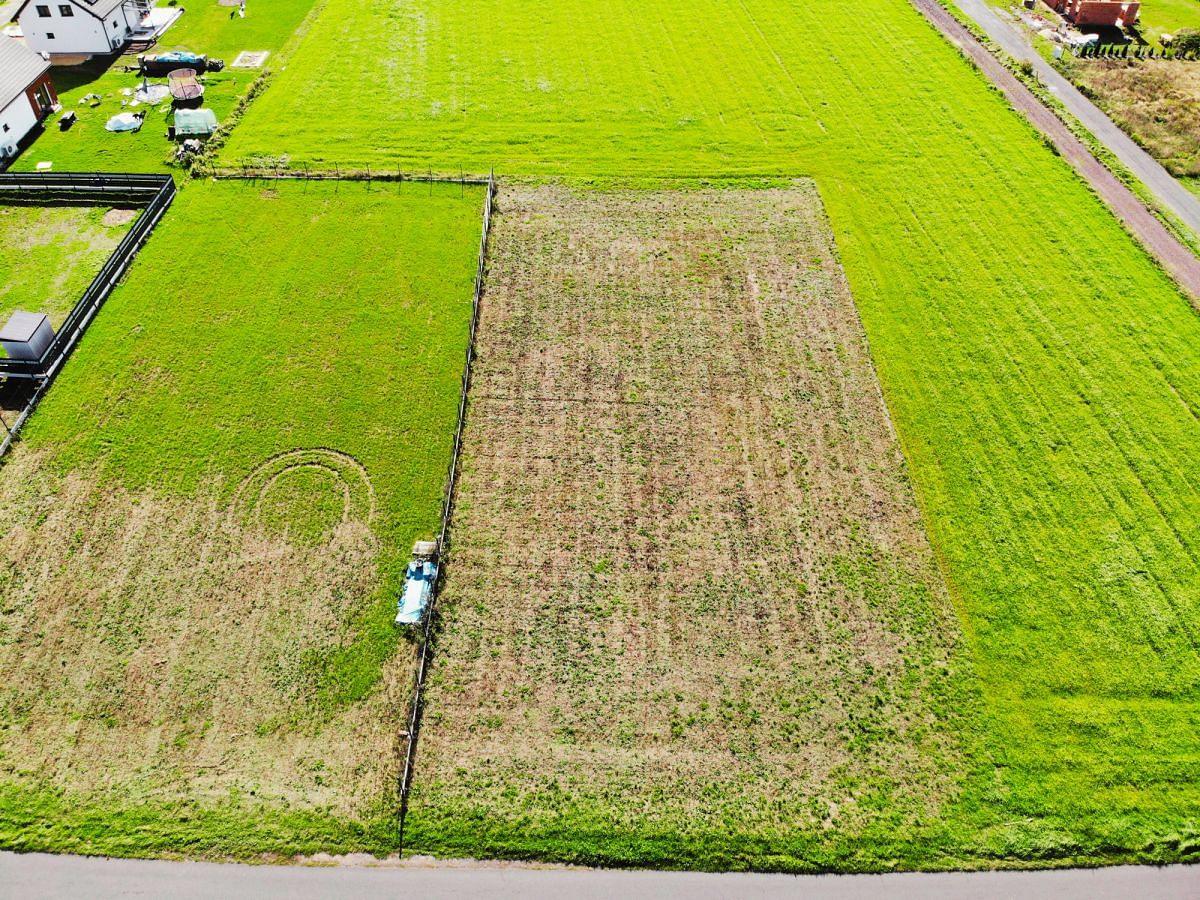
x,y
152,93
124,122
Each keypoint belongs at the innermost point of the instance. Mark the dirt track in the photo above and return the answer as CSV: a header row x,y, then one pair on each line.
x,y
1175,257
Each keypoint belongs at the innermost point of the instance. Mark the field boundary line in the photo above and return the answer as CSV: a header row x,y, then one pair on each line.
x,y
282,173
427,629
152,193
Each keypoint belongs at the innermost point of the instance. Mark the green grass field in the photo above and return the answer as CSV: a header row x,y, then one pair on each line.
x,y
1042,371
1043,374
203,28
1169,16
207,522
51,255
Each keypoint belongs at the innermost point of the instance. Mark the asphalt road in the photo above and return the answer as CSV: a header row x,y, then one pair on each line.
x,y
1170,193
37,875
1153,235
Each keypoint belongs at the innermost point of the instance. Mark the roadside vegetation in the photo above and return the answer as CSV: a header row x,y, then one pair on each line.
x,y
207,520
1157,102
1154,100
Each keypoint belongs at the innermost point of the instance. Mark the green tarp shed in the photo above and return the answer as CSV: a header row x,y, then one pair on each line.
x,y
195,122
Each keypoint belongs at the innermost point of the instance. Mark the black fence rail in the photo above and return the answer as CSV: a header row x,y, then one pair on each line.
x,y
152,193
1134,51
427,631
81,187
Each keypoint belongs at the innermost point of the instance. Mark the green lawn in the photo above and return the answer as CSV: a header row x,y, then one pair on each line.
x,y
1044,374
1169,16
295,315
196,640
203,28
51,255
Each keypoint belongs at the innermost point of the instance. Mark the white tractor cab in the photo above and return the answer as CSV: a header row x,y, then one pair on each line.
x,y
419,580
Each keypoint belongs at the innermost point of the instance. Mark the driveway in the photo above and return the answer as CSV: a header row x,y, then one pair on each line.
x,y
1170,193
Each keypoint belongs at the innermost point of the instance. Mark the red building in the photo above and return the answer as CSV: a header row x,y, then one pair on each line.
x,y
1096,12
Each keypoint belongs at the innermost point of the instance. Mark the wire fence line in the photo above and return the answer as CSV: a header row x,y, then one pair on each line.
x,y
427,629
252,170
153,193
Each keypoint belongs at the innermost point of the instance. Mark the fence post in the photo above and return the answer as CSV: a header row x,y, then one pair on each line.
x,y
444,538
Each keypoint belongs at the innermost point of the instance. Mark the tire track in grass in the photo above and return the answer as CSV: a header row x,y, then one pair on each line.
x,y
998,404
1064,349
1085,378
1153,235
748,17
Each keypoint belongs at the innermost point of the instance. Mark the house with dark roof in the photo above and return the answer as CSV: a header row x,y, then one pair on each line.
x,y
81,28
26,94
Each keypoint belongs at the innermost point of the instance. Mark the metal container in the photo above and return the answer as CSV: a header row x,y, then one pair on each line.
x,y
27,335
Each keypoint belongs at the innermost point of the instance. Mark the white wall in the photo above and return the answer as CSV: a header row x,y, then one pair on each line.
x,y
19,117
78,33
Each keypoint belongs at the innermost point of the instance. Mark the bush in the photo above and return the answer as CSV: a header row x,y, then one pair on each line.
x,y
1187,41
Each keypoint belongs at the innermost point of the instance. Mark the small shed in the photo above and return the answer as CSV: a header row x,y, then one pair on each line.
x,y
27,335
195,122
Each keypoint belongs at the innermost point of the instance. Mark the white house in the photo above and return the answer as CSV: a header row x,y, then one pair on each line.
x,y
26,93
80,27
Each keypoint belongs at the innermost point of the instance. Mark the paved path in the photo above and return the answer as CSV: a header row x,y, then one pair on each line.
x,y
1170,193
37,875
1174,256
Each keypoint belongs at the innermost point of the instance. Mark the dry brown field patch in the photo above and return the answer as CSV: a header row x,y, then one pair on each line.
x,y
159,648
1156,101
690,591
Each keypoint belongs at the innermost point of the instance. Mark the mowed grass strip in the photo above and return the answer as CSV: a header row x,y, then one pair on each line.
x,y
691,616
207,521
1042,372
